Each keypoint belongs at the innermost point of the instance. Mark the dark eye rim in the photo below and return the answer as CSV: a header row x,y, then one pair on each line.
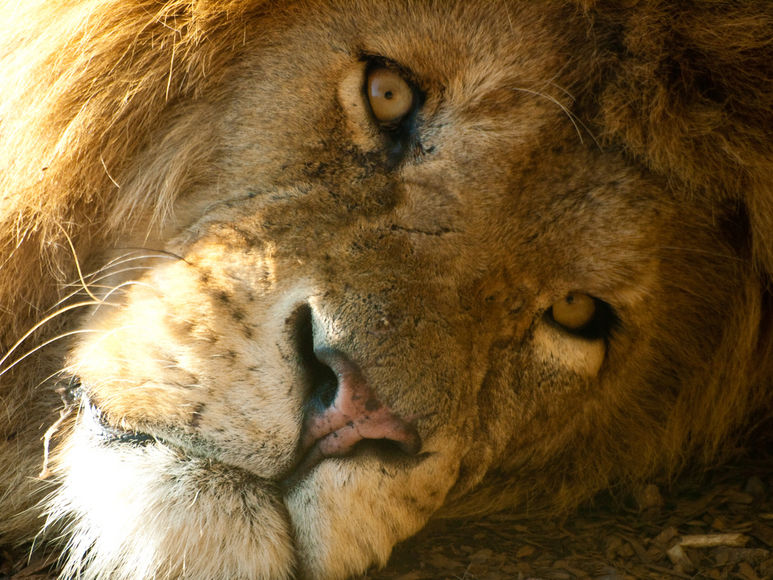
x,y
403,129
604,322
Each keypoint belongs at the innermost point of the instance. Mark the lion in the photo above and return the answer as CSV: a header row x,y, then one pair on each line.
x,y
281,281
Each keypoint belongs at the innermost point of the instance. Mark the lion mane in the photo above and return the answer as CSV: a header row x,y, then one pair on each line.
x,y
106,119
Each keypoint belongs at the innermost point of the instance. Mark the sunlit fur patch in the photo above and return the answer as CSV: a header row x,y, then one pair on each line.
x,y
148,512
575,354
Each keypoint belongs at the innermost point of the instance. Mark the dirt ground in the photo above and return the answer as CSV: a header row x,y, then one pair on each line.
x,y
716,526
713,527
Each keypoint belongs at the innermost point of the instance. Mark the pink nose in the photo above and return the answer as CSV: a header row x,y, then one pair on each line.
x,y
354,415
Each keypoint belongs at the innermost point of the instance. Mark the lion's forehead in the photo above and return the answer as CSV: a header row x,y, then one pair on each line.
x,y
510,181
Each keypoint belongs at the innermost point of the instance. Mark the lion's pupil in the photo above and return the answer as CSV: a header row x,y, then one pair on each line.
x,y
390,96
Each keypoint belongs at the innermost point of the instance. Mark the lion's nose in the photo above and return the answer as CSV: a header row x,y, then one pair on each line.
x,y
336,420
341,409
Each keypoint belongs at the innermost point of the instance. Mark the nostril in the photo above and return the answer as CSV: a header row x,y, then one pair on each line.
x,y
321,380
355,415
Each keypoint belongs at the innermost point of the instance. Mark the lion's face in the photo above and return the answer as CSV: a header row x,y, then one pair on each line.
x,y
404,271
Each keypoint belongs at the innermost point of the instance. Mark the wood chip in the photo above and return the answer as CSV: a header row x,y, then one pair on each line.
x,y
738,497
678,557
713,540
649,498
747,572
664,538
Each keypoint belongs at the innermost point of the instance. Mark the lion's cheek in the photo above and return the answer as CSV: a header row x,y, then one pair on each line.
x,y
171,366
129,365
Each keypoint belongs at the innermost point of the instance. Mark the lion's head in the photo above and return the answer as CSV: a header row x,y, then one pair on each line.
x,y
336,267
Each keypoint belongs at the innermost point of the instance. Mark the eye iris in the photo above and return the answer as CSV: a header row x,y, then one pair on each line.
x,y
574,311
390,96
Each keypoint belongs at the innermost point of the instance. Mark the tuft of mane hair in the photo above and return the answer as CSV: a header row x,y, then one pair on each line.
x,y
688,89
76,115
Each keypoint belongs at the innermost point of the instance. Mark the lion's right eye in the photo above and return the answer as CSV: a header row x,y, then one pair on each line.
x,y
390,97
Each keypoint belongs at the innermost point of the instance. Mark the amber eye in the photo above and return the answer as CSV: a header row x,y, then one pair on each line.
x,y
389,95
574,311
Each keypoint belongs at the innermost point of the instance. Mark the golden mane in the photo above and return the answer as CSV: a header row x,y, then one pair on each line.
x,y
690,93
76,115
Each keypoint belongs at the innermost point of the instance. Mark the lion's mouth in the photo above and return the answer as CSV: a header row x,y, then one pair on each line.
x,y
103,430
355,423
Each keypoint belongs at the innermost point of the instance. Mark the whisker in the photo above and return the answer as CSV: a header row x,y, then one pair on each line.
x,y
160,253
107,271
64,413
100,286
120,260
41,323
64,372
77,264
574,119
122,285
43,345
556,102
140,254
129,257
562,89
101,273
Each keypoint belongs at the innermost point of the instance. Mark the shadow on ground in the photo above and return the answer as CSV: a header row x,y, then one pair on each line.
x,y
716,526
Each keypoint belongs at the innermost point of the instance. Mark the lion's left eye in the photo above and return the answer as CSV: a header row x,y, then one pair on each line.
x,y
583,315
390,96
574,311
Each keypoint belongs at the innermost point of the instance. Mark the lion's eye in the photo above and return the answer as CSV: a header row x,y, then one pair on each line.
x,y
574,311
391,98
583,315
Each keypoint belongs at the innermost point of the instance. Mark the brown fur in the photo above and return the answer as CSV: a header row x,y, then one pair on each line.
x,y
620,152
